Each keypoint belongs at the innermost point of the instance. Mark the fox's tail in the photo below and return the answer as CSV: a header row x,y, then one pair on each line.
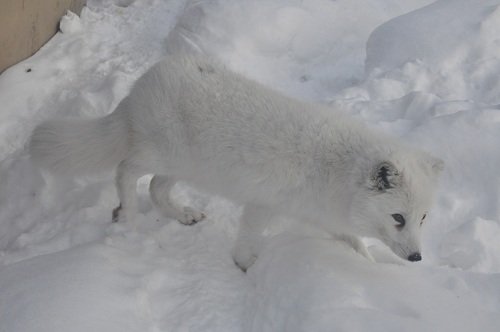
x,y
78,146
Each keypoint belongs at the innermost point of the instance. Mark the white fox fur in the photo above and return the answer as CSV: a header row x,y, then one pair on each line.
x,y
79,147
192,119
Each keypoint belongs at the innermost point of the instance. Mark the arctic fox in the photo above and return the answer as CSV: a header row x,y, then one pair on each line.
x,y
192,119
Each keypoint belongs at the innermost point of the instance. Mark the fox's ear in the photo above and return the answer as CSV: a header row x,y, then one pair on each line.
x,y
384,176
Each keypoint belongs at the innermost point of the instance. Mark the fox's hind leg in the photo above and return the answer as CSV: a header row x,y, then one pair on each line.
x,y
127,175
159,190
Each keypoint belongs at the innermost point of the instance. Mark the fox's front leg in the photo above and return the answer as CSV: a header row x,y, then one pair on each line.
x,y
356,243
249,241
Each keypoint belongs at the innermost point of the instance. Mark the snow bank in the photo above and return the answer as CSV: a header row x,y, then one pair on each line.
x,y
429,79
156,280
309,284
451,46
305,48
75,290
85,70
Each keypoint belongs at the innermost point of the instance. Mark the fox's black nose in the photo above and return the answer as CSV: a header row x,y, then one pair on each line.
x,y
415,257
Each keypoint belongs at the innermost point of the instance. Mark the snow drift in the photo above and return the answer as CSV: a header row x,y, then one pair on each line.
x,y
430,79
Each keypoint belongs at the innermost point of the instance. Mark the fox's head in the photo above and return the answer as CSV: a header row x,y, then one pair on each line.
x,y
394,201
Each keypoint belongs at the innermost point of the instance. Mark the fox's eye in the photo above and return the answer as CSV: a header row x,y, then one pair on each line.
x,y
399,219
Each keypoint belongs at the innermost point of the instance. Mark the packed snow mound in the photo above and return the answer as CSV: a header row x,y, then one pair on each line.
x,y
305,48
64,267
132,281
311,284
451,46
70,23
474,246
50,293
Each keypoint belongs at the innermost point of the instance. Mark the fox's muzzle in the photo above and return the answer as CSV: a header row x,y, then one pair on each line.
x,y
415,257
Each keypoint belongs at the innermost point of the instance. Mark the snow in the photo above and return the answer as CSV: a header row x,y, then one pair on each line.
x,y
350,294
423,71
458,63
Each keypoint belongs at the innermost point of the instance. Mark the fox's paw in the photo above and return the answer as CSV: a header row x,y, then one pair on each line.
x,y
120,216
115,215
243,258
190,216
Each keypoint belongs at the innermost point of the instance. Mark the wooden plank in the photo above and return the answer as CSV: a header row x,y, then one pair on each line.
x,y
25,25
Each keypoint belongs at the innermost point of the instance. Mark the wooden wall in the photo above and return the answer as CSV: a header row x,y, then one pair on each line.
x,y
25,25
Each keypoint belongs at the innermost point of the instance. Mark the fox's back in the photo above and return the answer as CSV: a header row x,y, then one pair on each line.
x,y
207,121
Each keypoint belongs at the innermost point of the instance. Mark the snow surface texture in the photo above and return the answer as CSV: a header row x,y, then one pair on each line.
x,y
427,73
